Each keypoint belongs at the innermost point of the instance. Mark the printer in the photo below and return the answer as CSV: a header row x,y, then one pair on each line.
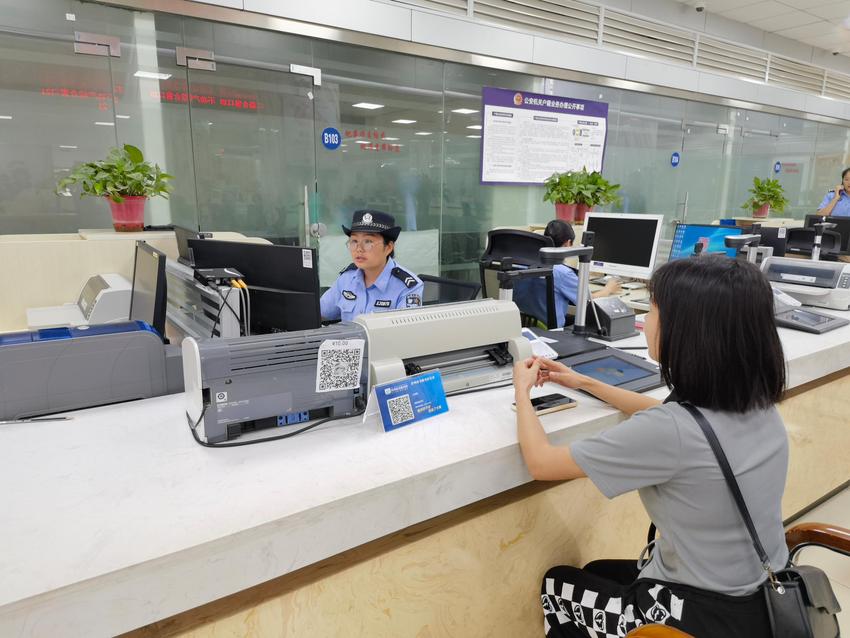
x,y
244,384
61,369
103,299
472,343
825,284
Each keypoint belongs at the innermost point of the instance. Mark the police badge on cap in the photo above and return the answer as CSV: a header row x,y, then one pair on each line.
x,y
373,221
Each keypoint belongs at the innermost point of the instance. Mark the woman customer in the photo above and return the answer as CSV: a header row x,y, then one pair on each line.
x,y
711,329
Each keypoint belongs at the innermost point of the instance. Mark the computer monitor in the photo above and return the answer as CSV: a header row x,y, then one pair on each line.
x,y
624,244
686,236
283,281
148,298
842,227
183,235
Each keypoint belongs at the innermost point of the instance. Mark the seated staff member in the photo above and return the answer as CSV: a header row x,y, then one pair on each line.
x,y
712,331
530,294
837,201
373,281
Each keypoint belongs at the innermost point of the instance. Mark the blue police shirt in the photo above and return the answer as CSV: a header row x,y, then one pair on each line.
x,y
393,289
530,294
842,208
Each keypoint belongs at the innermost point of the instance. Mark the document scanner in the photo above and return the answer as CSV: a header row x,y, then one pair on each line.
x,y
249,383
472,343
103,299
825,284
61,369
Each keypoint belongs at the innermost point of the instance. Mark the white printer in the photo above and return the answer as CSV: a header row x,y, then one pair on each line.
x,y
472,343
103,299
825,284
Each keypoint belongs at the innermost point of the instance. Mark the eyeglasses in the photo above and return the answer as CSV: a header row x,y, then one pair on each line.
x,y
367,244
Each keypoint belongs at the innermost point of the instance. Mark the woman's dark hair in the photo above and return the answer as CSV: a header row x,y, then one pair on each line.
x,y
844,172
718,346
392,252
560,232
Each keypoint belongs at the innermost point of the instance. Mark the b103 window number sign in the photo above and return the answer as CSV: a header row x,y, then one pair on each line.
x,y
331,139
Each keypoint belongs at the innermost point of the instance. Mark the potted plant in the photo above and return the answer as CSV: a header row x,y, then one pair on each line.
x,y
126,180
765,194
574,193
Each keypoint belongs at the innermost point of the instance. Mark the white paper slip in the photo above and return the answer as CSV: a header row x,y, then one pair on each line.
x,y
538,347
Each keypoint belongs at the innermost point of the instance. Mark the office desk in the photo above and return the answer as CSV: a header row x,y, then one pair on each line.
x,y
118,519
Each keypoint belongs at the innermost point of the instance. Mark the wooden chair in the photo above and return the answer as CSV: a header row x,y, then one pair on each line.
x,y
803,535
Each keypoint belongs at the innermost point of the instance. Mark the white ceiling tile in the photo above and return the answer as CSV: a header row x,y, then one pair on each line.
x,y
719,6
807,4
834,11
785,21
758,11
807,31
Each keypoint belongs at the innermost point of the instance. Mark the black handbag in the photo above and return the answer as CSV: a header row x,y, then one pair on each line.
x,y
800,601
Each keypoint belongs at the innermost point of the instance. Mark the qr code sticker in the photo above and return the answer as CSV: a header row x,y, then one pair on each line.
x,y
400,409
340,364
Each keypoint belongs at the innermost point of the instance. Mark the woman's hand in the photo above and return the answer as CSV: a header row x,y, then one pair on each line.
x,y
838,190
527,375
559,373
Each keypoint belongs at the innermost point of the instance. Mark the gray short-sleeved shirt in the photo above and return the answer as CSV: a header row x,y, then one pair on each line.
x,y
662,453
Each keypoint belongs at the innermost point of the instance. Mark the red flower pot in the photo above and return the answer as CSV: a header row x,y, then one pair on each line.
x,y
129,215
581,211
566,212
761,211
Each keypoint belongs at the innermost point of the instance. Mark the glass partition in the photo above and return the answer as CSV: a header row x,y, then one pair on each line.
x,y
245,141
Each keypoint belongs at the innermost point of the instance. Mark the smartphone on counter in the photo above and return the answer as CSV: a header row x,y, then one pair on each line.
x,y
550,403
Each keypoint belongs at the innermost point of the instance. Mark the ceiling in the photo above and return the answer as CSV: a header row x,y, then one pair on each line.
x,y
824,24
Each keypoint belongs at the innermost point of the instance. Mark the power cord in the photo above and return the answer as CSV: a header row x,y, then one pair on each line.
x,y
224,303
288,435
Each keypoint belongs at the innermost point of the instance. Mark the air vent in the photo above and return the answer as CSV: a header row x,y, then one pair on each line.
x,y
446,6
477,310
723,57
837,85
562,18
803,77
634,35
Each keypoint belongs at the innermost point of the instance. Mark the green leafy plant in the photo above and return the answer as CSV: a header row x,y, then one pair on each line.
x,y
580,187
124,173
766,191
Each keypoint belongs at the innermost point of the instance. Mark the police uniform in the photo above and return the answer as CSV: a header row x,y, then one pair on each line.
x,y
530,294
842,208
394,288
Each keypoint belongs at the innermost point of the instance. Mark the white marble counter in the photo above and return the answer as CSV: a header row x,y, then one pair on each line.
x,y
118,518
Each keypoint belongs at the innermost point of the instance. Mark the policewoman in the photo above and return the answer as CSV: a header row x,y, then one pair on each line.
x,y
373,281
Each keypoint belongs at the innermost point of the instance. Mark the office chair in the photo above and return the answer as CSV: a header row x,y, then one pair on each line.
x,y
442,290
803,535
521,246
801,241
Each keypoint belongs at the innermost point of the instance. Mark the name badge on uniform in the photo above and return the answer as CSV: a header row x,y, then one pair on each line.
x,y
349,295
383,303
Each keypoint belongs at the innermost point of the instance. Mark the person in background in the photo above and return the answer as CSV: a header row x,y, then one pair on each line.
x,y
373,281
837,201
711,329
530,294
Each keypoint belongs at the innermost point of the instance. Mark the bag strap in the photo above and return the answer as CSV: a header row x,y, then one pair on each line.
x,y
708,431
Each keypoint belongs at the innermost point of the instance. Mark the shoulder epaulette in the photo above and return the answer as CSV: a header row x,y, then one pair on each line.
x,y
350,266
409,280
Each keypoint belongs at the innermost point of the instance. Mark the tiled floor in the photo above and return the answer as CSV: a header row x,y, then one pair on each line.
x,y
837,512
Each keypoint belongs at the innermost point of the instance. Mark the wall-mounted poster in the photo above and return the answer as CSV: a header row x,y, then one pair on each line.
x,y
529,136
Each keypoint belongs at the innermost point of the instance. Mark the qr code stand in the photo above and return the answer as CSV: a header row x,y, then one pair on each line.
x,y
400,409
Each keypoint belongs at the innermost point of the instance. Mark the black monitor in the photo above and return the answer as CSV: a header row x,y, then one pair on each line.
x,y
283,281
774,236
183,235
148,299
842,227
624,244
